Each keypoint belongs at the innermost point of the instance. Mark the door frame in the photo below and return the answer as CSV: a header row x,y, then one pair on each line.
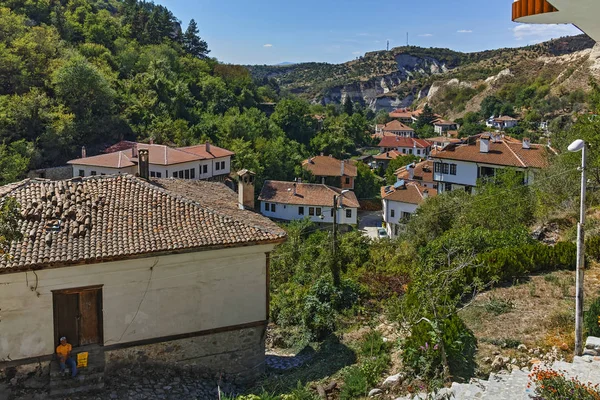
x,y
100,310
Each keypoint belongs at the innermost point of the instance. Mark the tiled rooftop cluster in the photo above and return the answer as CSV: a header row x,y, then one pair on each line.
x,y
106,218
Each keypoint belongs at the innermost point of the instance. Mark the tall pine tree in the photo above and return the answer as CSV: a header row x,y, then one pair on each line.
x,y
348,106
192,42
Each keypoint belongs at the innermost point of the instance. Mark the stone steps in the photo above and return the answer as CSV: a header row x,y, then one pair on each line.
x,y
89,379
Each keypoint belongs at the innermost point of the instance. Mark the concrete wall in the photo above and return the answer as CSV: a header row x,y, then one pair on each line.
x,y
466,173
142,299
289,212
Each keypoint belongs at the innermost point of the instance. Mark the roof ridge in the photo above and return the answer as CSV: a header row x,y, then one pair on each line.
x,y
514,154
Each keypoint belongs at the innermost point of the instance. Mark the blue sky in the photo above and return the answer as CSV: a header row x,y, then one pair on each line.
x,y
274,31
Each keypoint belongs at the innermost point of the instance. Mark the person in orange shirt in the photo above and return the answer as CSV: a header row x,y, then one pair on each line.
x,y
63,351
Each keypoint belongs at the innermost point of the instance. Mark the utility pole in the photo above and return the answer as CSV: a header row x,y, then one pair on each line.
x,y
335,269
580,260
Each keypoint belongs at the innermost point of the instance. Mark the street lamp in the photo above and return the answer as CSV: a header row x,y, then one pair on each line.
x,y
335,271
575,147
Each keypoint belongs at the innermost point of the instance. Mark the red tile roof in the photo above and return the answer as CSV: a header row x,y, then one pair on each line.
x,y
397,126
502,152
309,194
388,155
423,172
411,193
398,141
329,166
159,155
107,218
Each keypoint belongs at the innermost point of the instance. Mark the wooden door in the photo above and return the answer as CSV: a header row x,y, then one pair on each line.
x,y
78,315
89,321
66,317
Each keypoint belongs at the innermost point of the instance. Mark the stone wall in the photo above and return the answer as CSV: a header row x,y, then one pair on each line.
x,y
238,355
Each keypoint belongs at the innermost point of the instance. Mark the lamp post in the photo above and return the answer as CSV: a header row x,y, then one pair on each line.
x,y
575,147
335,270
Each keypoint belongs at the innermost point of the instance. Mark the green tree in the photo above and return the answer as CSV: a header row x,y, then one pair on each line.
x,y
293,116
14,161
427,117
367,184
348,106
192,42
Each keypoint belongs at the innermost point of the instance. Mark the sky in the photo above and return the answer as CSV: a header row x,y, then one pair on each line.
x,y
335,31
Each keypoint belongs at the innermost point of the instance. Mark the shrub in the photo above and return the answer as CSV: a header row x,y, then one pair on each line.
x,y
356,384
422,353
372,345
590,319
497,306
592,247
553,385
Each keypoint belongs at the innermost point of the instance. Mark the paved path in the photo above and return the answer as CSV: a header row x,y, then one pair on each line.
x,y
368,223
513,386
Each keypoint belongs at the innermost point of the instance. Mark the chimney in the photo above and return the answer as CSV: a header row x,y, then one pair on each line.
x,y
294,188
134,151
144,164
207,147
83,152
342,168
526,143
411,171
246,189
151,140
425,193
484,144
321,154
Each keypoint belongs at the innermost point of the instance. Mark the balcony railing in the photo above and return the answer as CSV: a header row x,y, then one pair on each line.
x,y
526,8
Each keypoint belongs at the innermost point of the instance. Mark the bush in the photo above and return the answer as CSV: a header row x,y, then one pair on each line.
x,y
592,247
590,319
422,353
498,306
356,384
553,385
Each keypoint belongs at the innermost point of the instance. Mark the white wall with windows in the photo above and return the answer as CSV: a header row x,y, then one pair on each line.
x,y
319,214
454,172
395,214
417,151
90,170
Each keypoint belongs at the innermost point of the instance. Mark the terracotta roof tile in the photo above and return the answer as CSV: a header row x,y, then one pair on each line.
x,y
502,152
423,172
388,155
306,194
106,218
396,125
399,141
411,193
329,166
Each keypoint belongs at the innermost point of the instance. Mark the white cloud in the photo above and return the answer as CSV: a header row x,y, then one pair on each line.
x,y
540,33
426,35
267,45
465,31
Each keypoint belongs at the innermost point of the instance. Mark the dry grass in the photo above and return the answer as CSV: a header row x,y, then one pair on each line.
x,y
541,312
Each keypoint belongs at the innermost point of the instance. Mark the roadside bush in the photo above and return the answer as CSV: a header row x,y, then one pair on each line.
x,y
590,319
422,352
592,247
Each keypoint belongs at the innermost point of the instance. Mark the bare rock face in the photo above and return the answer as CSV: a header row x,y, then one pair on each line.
x,y
547,233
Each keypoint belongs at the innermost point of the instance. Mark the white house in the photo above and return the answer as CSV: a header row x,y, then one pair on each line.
x,y
129,267
441,142
205,161
331,171
460,166
395,128
405,145
400,201
502,122
442,126
289,201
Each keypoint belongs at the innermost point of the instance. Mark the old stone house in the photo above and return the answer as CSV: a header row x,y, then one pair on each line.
x,y
160,271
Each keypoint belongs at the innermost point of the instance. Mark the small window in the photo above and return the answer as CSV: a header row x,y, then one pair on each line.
x,y
222,164
181,174
311,211
392,213
318,211
445,168
332,211
217,166
406,215
447,187
267,205
410,151
347,181
205,169
349,213
418,151
193,173
159,174
186,174
81,172
452,169
300,210
102,174
175,174
93,173
273,209
403,151
437,167
152,174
